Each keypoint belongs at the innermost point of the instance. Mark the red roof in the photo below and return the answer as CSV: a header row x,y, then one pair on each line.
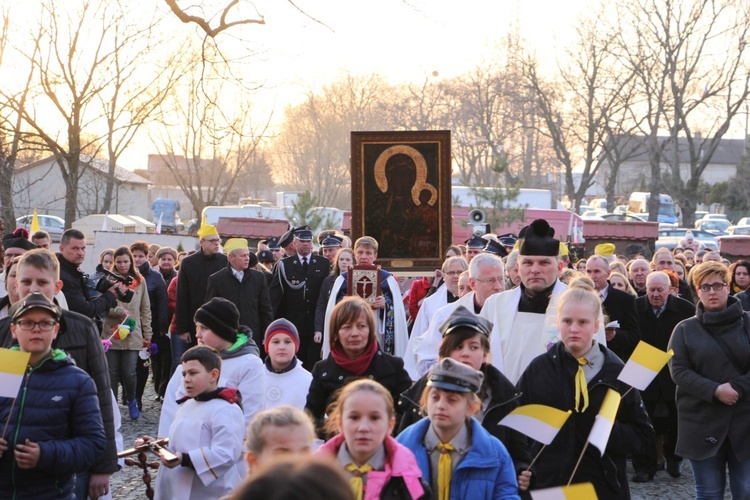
x,y
736,246
248,227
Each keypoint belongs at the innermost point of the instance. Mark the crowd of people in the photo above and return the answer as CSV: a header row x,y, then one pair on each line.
x,y
276,381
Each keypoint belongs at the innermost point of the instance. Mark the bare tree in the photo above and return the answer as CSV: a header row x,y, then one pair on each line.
x,y
70,58
139,84
211,140
583,109
312,150
693,74
419,106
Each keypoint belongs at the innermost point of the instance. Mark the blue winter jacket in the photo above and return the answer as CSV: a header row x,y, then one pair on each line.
x,y
57,407
485,473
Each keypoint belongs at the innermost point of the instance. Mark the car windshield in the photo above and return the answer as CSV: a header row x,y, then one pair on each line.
x,y
742,230
667,210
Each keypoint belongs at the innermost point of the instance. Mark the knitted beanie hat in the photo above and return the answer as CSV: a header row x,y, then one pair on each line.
x,y
281,325
221,317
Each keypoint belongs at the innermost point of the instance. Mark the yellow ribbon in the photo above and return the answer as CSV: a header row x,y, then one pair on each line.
x,y
445,470
581,386
356,480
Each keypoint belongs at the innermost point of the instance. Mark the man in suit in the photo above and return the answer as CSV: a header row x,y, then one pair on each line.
x,y
294,290
244,287
639,271
659,312
618,306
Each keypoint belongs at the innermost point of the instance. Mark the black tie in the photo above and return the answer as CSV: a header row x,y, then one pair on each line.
x,y
305,265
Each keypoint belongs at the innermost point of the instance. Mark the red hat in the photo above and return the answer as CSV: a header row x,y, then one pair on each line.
x,y
281,325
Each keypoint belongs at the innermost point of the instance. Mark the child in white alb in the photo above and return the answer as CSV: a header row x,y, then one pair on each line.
x,y
287,382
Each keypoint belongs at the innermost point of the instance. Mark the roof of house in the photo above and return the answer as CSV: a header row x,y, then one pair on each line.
x,y
122,175
250,227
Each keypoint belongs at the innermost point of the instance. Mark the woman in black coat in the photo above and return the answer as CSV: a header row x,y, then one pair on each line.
x,y
711,367
354,354
466,339
553,379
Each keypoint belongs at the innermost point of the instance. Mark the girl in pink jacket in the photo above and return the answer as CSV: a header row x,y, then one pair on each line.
x,y
379,467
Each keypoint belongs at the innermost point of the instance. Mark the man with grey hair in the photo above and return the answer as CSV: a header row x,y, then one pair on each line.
x,y
618,307
486,278
525,318
659,311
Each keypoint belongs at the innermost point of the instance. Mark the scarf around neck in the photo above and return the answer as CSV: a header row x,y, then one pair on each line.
x,y
356,366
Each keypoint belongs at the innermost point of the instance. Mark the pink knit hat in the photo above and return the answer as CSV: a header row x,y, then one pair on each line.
x,y
281,325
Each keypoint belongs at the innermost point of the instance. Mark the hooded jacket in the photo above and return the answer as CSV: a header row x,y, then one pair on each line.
x,y
79,338
241,369
401,477
57,408
485,473
504,398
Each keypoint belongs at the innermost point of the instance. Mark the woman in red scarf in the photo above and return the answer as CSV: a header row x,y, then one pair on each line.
x,y
355,353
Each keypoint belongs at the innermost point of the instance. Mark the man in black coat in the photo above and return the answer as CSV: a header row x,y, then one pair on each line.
x,y
244,287
618,306
659,396
294,290
664,260
191,289
71,255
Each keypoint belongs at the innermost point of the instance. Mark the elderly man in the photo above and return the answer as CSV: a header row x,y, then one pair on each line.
x,y
664,260
191,289
659,312
245,287
486,278
618,306
639,271
447,293
525,318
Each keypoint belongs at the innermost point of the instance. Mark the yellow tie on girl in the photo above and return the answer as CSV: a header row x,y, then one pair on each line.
x,y
356,481
581,386
445,470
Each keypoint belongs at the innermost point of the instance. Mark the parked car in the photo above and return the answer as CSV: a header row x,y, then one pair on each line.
x,y
716,226
623,217
739,230
699,214
745,221
715,217
52,224
670,238
593,214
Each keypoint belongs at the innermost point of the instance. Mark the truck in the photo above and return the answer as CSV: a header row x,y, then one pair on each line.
x,y
167,211
638,204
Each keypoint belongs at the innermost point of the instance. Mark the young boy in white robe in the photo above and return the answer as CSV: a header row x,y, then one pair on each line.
x,y
206,434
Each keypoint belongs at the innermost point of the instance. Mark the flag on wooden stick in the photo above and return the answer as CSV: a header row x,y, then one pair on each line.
x,y
541,423
644,365
605,420
12,368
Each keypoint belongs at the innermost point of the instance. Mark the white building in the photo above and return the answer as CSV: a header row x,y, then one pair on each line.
x,y
40,185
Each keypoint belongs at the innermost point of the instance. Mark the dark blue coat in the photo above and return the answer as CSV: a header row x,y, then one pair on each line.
x,y
57,407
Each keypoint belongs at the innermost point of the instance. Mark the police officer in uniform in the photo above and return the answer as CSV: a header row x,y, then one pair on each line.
x,y
295,287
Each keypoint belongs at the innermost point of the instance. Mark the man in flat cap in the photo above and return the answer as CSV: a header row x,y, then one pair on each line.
x,y
191,288
295,287
525,318
486,278
245,287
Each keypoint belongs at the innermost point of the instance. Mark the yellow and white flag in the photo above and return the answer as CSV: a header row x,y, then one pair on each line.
x,y
12,367
539,422
604,421
644,364
34,223
581,491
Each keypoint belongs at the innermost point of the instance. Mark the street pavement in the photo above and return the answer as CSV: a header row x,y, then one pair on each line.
x,y
128,484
